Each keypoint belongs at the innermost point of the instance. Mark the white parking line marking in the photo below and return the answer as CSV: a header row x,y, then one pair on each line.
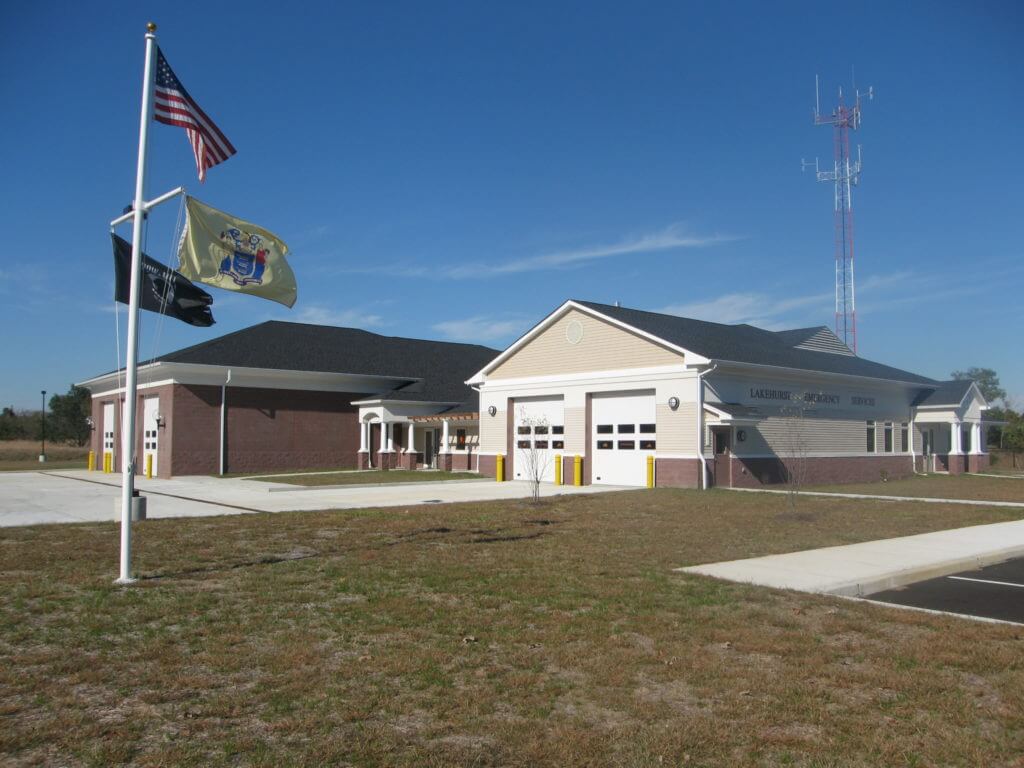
x,y
986,581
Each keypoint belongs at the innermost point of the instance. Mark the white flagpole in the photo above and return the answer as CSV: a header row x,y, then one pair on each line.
x,y
131,382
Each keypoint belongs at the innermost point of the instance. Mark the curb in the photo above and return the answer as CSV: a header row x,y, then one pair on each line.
x,y
902,578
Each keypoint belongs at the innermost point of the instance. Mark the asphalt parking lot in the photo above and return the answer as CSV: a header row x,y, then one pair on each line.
x,y
994,592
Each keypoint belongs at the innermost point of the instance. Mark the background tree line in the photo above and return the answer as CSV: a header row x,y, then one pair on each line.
x,y
65,420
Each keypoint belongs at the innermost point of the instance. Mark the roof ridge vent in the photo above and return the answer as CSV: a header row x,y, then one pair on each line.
x,y
823,340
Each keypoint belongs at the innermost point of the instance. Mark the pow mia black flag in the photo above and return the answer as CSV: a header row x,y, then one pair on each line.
x,y
161,289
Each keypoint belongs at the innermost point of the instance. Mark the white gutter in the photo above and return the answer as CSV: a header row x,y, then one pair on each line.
x,y
700,425
223,419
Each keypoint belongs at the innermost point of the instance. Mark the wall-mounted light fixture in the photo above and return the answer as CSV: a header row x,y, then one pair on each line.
x,y
492,410
673,403
159,419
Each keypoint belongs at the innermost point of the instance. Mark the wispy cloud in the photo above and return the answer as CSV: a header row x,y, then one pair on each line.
x,y
674,237
482,328
355,318
670,238
761,309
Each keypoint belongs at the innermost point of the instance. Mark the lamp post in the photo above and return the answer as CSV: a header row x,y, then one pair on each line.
x,y
42,450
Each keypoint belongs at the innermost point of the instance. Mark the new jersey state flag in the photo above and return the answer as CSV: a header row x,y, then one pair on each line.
x,y
223,251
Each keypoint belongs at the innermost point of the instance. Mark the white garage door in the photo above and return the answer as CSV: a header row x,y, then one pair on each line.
x,y
539,436
624,436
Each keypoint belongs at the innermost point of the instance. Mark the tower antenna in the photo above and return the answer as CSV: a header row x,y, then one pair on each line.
x,y
845,175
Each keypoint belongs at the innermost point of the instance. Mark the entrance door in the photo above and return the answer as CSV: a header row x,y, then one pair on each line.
x,y
624,436
108,432
429,449
540,436
150,432
723,444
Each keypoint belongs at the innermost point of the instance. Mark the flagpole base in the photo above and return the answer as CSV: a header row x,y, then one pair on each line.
x,y
125,582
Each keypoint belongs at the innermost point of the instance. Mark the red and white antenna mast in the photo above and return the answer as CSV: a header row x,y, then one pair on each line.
x,y
845,175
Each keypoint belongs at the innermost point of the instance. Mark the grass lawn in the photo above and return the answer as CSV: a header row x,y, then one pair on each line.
x,y
939,487
492,633
371,477
23,455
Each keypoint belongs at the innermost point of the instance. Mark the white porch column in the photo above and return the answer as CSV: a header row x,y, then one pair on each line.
x,y
364,427
954,438
385,437
410,441
976,438
444,436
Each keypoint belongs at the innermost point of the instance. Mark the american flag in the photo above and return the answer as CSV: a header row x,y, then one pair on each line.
x,y
174,106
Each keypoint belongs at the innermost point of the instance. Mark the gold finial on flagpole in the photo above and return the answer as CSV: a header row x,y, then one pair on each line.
x,y
150,27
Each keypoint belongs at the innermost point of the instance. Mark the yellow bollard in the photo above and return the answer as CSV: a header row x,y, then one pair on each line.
x,y
149,467
650,471
558,469
499,472
577,470
106,463
92,461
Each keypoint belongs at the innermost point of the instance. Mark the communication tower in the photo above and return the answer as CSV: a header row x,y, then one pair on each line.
x,y
845,175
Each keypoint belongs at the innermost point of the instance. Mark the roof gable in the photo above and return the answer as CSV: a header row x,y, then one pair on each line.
x,y
574,340
949,394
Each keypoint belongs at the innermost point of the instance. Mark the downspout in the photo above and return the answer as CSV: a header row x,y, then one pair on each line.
x,y
700,425
223,419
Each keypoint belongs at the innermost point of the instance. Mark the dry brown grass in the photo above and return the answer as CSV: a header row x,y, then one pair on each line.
x,y
940,487
18,455
490,634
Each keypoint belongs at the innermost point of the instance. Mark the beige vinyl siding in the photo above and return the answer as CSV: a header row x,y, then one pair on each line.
x,y
493,432
676,430
575,430
781,436
603,347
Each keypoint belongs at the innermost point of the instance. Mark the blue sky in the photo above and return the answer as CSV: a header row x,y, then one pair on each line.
x,y
457,170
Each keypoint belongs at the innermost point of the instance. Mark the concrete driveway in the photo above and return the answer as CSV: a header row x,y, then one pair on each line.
x,y
75,496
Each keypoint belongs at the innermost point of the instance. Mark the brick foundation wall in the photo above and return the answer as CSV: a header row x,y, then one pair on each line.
x,y
411,460
389,460
462,462
978,462
955,463
486,465
267,430
677,473
755,472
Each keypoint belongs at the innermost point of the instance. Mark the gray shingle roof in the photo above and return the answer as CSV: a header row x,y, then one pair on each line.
x,y
948,393
747,344
443,366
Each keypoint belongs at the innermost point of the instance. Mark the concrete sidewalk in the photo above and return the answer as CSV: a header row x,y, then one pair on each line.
x,y
66,496
856,570
881,497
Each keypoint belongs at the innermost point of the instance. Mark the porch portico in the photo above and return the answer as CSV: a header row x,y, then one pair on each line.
x,y
414,435
948,432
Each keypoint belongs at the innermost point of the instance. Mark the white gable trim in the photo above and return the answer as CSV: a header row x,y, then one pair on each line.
x,y
481,376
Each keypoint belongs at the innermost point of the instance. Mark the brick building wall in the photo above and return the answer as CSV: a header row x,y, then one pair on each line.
x,y
267,429
755,472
